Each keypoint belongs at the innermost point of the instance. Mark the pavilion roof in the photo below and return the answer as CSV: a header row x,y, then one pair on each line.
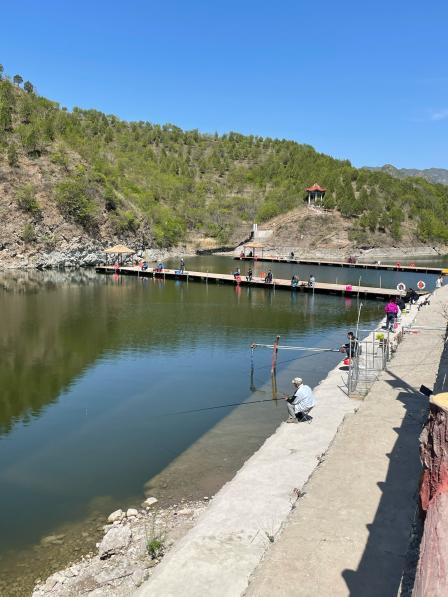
x,y
316,187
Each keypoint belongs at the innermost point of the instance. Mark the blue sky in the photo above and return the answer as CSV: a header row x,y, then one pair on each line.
x,y
367,81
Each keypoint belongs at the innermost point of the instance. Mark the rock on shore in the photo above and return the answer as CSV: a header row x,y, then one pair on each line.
x,y
123,561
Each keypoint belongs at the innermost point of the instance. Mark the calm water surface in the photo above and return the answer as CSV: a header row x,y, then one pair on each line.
x,y
94,376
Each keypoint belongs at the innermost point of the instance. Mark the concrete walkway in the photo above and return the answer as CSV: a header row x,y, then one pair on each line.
x,y
218,556
349,533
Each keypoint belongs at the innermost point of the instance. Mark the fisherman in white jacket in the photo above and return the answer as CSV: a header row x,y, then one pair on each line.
x,y
301,402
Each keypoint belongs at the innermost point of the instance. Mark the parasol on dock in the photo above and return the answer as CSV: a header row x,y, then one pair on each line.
x,y
119,250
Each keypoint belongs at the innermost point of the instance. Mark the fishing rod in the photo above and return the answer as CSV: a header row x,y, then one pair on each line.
x,y
198,410
280,347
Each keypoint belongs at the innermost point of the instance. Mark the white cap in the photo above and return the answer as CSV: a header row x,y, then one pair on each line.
x,y
297,381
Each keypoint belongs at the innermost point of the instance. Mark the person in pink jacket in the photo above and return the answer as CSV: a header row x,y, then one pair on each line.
x,y
391,310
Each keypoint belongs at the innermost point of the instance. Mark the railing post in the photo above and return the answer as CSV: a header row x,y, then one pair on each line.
x,y
274,355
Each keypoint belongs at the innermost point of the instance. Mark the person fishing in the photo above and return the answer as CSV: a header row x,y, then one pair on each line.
x,y
268,279
351,348
182,265
301,402
294,281
249,275
411,296
311,281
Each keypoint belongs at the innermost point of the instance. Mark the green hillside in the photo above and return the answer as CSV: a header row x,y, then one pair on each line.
x,y
160,183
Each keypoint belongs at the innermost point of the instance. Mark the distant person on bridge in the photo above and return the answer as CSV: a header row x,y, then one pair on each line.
x,y
301,402
268,279
291,255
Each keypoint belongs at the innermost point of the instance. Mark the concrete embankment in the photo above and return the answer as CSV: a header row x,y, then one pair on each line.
x,y
219,555
349,534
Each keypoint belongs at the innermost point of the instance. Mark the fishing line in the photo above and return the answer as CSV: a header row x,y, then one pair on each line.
x,y
198,410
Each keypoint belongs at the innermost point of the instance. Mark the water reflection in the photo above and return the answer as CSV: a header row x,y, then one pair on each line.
x,y
95,367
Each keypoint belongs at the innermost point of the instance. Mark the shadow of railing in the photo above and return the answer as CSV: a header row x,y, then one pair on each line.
x,y
381,567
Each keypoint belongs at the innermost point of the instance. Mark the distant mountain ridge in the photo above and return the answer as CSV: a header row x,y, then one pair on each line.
x,y
437,175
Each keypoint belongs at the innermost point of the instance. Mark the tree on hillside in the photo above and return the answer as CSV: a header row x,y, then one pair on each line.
x,y
5,117
13,158
1,71
28,87
17,79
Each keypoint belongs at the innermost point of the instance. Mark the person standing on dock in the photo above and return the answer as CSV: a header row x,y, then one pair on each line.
x,y
391,310
249,275
182,265
301,402
311,281
439,282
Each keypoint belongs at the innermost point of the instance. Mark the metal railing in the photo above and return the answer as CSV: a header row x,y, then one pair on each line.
x,y
372,357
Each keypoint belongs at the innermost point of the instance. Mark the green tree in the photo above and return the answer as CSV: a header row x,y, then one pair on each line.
x,y
27,201
17,79
12,155
28,233
28,87
1,72
75,198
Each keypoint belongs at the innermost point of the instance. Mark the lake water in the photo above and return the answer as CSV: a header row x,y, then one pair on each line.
x,y
98,374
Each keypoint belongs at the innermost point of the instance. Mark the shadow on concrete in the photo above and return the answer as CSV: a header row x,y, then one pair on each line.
x,y
380,570
391,553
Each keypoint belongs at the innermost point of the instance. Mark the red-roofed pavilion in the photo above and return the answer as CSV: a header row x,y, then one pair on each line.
x,y
316,194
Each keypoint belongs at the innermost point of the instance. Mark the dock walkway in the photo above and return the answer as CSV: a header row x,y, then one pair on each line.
x,y
349,534
277,284
318,262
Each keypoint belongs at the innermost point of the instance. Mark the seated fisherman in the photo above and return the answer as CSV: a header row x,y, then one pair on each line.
x,y
268,279
351,348
294,281
301,402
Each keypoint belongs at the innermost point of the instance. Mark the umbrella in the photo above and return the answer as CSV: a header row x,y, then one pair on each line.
x,y
119,250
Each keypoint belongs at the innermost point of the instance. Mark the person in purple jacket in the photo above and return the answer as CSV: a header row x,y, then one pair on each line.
x,y
391,310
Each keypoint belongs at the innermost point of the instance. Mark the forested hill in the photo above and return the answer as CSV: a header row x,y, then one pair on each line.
x,y
438,175
85,175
